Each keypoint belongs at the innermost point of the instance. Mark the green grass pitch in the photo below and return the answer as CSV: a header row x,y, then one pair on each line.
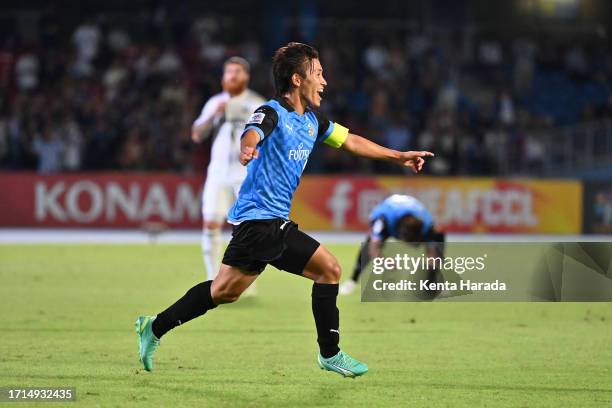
x,y
67,314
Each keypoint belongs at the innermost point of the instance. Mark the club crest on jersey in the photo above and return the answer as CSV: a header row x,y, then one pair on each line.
x,y
310,130
256,118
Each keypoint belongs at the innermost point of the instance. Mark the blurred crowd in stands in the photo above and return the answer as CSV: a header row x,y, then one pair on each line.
x,y
121,94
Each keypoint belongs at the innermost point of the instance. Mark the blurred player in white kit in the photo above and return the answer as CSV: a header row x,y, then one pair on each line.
x,y
224,116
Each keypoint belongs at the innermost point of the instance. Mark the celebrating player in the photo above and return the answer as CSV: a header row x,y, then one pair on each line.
x,y
224,114
401,217
275,147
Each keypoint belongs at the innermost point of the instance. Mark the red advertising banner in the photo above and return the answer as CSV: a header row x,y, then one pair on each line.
x,y
106,200
129,200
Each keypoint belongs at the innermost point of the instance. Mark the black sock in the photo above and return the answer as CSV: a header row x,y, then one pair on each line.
x,y
327,317
362,260
194,303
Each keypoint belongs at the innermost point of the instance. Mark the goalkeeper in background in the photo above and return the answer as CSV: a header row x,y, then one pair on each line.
x,y
401,217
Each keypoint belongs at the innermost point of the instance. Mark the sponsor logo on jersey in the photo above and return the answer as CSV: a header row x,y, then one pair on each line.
x,y
256,118
299,153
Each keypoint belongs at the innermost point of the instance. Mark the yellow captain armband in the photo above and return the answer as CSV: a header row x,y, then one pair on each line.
x,y
337,137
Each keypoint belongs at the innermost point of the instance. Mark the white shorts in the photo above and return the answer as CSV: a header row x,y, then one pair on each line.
x,y
217,198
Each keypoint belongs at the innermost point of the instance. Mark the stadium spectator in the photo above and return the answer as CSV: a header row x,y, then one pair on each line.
x,y
73,144
26,72
49,149
86,39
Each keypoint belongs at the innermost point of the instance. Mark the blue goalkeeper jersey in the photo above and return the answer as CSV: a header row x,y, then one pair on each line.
x,y
394,208
286,141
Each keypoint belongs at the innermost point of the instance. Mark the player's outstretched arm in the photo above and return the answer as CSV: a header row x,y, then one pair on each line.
x,y
361,146
202,127
200,132
248,150
436,243
375,248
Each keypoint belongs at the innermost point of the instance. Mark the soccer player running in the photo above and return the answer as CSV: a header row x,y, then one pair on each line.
x,y
223,115
401,217
275,147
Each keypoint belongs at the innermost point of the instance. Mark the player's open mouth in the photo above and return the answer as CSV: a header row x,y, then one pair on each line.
x,y
320,92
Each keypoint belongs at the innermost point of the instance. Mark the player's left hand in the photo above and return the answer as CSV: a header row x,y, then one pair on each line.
x,y
247,154
414,160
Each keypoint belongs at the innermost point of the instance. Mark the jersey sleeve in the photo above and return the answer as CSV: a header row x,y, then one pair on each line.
x,y
263,121
208,111
330,133
379,230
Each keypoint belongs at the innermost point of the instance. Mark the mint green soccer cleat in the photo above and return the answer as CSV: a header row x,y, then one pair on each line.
x,y
147,341
343,364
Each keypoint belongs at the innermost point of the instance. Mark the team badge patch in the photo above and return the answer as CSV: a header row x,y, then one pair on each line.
x,y
310,130
256,118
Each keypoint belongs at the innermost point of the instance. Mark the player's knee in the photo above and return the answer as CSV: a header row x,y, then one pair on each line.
x,y
332,271
210,225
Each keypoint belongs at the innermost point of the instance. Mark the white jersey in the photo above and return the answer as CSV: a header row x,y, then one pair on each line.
x,y
224,164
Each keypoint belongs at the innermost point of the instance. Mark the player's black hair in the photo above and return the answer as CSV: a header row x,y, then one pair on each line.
x,y
292,58
410,229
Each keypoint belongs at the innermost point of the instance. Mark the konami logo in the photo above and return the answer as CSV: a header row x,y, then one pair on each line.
x,y
88,201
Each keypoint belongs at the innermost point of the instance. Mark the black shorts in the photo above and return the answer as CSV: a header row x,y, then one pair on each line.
x,y
277,242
